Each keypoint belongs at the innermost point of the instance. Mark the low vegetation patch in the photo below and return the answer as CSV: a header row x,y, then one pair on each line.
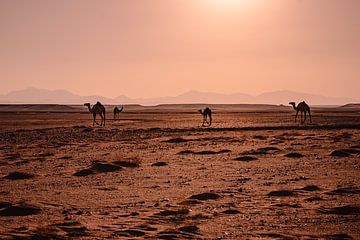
x,y
159,164
20,210
104,167
84,172
205,196
310,188
281,193
120,160
176,140
294,155
343,191
206,152
340,153
343,210
18,176
245,158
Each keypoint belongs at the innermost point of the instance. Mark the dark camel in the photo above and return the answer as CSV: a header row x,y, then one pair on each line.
x,y
98,108
206,113
302,107
116,112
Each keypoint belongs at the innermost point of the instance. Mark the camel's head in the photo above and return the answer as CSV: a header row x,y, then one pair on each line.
x,y
292,103
200,111
87,104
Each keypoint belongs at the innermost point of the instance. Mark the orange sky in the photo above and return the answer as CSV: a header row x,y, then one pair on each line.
x,y
148,48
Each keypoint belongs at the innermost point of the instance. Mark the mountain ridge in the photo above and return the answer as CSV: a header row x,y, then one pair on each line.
x,y
61,96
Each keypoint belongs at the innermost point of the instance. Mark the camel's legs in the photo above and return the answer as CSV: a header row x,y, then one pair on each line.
x,y
305,116
101,119
94,120
301,116
104,118
210,119
297,112
310,116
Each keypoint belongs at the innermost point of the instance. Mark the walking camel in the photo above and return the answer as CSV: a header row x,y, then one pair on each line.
x,y
98,108
206,113
302,107
117,111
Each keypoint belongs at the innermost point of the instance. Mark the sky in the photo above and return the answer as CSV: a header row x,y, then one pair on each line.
x,y
154,48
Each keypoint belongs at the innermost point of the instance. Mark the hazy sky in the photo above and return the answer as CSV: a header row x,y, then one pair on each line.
x,y
147,48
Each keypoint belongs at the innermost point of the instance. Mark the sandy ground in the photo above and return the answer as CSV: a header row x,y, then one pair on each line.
x,y
161,175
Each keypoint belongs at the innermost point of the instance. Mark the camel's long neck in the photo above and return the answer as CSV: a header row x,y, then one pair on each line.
x,y
90,110
201,112
294,107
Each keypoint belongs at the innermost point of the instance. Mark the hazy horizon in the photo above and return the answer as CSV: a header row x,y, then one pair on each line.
x,y
174,95
31,95
157,48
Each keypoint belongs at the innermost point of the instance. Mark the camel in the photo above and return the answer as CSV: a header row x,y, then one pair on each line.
x,y
117,111
302,107
205,114
98,108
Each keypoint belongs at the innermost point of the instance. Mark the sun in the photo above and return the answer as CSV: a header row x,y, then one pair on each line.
x,y
230,3
229,6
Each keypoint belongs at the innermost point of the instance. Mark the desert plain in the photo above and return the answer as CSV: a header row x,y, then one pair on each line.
x,y
156,173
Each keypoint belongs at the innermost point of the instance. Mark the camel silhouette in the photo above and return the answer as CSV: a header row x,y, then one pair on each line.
x,y
116,112
302,107
98,108
206,113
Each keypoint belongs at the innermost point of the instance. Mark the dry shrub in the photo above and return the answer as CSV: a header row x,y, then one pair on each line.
x,y
128,161
48,232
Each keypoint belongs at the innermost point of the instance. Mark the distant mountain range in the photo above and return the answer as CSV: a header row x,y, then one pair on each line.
x,y
35,95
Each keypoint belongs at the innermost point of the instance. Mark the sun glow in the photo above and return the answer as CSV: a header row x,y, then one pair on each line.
x,y
229,6
231,3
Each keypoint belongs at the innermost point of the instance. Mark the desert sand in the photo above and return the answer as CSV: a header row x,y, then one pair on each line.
x,y
157,174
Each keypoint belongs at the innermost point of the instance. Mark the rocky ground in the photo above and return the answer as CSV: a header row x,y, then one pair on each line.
x,y
161,175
